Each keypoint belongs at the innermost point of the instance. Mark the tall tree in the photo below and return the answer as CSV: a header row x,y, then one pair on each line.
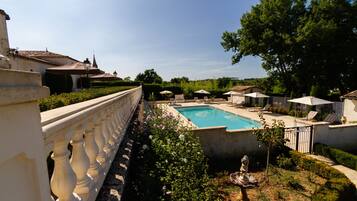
x,y
178,80
149,76
302,43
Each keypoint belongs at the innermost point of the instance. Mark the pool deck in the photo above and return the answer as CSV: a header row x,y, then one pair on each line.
x,y
244,112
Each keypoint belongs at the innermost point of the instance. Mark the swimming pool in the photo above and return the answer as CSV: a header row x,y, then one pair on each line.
x,y
206,116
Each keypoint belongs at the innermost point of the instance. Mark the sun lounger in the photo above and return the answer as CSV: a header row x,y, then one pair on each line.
x,y
205,99
332,118
179,98
266,108
310,116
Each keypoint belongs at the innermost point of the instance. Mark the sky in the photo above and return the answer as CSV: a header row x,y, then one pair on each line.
x,y
175,37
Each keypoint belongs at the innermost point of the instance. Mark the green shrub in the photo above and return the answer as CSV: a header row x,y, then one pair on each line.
x,y
180,164
113,83
284,162
55,101
337,155
337,187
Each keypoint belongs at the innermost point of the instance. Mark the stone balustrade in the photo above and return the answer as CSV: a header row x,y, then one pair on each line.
x,y
94,135
62,154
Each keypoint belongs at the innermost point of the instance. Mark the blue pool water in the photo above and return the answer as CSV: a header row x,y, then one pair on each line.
x,y
205,116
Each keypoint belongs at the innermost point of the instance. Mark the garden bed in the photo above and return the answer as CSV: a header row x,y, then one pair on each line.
x,y
283,185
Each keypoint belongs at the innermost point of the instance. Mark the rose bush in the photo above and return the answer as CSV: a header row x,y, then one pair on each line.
x,y
180,164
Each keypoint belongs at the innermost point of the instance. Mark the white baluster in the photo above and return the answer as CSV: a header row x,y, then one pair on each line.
x,y
92,150
100,141
80,163
111,140
63,179
105,132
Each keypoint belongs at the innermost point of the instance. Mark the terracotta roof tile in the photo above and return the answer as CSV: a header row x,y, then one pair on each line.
x,y
241,88
352,95
39,53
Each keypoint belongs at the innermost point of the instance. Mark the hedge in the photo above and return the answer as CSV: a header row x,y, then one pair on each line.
x,y
114,83
152,91
337,187
55,101
337,155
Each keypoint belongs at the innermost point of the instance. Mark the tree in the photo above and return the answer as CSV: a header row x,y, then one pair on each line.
x,y
128,78
270,136
301,43
223,82
178,80
149,76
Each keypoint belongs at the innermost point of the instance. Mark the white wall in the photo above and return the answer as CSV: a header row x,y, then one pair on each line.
x,y
218,143
20,63
339,136
350,109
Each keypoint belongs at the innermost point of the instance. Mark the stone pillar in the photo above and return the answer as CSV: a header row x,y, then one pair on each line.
x,y
23,168
4,40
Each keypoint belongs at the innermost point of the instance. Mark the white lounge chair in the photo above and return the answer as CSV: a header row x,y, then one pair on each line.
x,y
205,99
310,116
332,118
266,108
179,98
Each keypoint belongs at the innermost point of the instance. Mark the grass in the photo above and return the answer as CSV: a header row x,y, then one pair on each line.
x,y
282,185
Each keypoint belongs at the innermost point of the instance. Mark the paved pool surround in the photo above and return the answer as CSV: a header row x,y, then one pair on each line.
x,y
207,116
220,143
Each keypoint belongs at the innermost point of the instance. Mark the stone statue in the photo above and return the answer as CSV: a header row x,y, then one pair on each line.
x,y
242,177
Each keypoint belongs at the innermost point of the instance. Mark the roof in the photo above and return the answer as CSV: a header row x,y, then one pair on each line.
x,y
351,95
242,88
7,17
42,54
104,75
75,68
34,59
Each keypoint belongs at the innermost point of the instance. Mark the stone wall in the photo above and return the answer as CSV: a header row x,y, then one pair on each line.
x,y
26,64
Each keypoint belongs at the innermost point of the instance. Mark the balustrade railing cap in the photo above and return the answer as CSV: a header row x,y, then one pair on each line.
x,y
81,115
20,86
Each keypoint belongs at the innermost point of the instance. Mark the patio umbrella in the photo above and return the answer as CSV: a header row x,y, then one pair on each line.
x,y
310,100
166,92
232,93
256,95
202,92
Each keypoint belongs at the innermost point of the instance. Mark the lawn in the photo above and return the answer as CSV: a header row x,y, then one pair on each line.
x,y
282,185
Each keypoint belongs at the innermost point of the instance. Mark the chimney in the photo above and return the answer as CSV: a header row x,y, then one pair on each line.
x,y
4,40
